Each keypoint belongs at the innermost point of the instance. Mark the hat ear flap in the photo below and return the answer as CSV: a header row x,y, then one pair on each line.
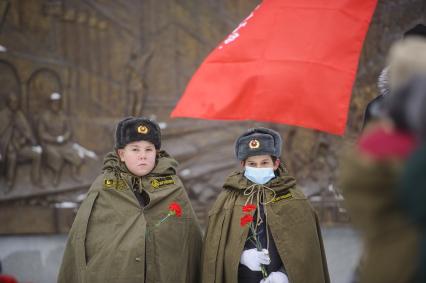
x,y
119,132
158,130
278,142
236,144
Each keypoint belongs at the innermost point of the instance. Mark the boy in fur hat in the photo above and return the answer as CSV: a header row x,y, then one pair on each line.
x,y
284,223
124,230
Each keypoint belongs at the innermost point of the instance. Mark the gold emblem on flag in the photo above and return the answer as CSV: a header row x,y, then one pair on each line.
x,y
143,129
253,144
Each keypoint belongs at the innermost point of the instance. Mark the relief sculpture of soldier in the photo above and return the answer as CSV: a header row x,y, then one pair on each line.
x,y
55,134
135,71
17,142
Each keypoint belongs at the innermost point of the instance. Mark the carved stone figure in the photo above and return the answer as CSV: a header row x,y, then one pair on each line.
x,y
17,142
55,135
135,71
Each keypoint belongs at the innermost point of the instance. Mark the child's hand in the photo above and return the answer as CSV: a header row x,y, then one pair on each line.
x,y
253,259
275,277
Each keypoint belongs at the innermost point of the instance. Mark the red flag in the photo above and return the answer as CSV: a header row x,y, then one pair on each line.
x,y
291,62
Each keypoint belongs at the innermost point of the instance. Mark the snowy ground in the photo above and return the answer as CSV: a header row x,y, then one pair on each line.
x,y
343,249
36,259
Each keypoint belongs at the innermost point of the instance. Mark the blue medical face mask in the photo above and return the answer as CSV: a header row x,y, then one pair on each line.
x,y
259,175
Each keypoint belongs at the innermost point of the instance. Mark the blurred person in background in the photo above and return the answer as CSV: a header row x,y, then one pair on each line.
x,y
412,185
372,170
374,109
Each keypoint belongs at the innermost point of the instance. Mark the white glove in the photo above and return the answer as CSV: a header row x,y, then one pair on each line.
x,y
253,259
37,149
275,277
60,139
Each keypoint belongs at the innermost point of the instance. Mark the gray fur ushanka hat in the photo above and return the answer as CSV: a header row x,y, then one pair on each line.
x,y
133,129
258,141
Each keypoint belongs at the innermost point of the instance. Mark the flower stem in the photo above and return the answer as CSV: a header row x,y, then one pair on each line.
x,y
171,213
164,219
259,248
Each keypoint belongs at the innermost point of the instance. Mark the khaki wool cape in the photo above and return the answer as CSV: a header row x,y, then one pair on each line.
x,y
293,224
114,239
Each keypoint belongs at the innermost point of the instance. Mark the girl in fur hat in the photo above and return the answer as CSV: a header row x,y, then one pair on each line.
x,y
261,227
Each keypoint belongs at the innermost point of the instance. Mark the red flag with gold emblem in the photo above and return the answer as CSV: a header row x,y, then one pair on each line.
x,y
290,62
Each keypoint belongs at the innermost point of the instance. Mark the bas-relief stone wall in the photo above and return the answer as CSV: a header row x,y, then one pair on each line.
x,y
90,52
115,58
108,59
79,48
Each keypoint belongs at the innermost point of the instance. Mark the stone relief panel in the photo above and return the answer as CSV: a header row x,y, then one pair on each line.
x,y
37,137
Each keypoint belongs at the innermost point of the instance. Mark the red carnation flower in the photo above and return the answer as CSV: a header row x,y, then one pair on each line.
x,y
175,209
247,218
249,207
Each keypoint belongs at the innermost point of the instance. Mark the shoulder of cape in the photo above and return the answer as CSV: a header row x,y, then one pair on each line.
x,y
107,180
166,164
297,193
235,180
292,194
97,184
221,202
233,173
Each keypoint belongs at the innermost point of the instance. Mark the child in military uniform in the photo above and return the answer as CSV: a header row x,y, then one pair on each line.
x,y
121,232
284,243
